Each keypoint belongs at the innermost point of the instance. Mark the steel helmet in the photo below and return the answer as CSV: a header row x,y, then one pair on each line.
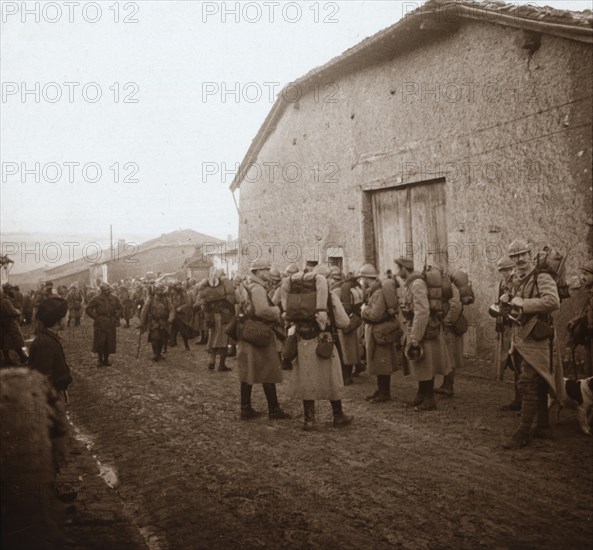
x,y
505,263
259,264
518,246
291,270
368,270
405,262
275,274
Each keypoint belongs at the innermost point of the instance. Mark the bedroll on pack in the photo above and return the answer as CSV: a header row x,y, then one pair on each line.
x,y
213,293
461,280
439,289
552,262
301,300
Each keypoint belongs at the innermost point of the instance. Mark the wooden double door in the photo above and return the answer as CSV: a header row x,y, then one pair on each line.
x,y
410,221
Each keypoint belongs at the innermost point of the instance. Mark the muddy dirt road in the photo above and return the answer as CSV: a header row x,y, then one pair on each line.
x,y
192,475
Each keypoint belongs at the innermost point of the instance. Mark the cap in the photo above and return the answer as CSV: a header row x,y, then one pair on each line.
x,y
518,246
402,261
51,310
505,263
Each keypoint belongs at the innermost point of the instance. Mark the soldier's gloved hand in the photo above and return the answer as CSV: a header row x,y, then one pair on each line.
x,y
321,318
517,302
504,299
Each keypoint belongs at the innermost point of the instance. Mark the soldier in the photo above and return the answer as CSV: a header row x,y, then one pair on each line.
x,y
580,329
219,311
139,297
11,337
183,313
505,268
156,317
318,376
421,341
17,298
351,299
259,365
105,310
453,340
28,307
47,354
536,297
380,307
74,301
123,293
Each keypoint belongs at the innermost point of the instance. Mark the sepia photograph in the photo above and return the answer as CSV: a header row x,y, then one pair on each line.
x,y
287,275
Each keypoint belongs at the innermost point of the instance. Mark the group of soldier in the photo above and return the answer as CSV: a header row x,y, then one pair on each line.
x,y
354,322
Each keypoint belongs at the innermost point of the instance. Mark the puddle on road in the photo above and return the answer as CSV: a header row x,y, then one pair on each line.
x,y
109,475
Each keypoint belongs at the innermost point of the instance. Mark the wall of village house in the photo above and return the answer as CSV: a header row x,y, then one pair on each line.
x,y
163,259
510,132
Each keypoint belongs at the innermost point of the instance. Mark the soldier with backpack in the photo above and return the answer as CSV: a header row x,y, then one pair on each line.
x,y
422,335
351,297
535,297
454,327
382,329
257,356
315,314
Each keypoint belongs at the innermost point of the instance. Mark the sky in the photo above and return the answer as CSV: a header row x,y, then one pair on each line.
x,y
136,114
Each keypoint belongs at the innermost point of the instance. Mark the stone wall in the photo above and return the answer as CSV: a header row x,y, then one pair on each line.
x,y
509,129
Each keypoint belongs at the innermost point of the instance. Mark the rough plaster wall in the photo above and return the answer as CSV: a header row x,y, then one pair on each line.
x,y
505,129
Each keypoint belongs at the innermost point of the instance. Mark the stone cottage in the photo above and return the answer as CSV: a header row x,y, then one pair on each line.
x,y
443,137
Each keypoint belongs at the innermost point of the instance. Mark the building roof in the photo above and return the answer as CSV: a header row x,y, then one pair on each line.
x,y
428,22
183,237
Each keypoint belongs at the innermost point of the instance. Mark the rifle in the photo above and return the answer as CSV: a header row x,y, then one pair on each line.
x,y
333,328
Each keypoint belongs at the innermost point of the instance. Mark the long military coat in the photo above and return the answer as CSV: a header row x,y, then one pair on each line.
x,y
105,311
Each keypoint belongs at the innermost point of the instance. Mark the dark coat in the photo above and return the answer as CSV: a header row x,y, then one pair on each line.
x,y
157,316
11,336
47,356
105,311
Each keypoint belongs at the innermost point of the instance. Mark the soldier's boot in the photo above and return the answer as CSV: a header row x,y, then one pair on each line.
x,y
156,350
446,389
359,369
232,350
419,397
212,362
515,404
542,428
186,343
309,409
347,375
520,437
274,410
340,419
99,359
384,389
247,411
77,322
222,366
106,360
428,404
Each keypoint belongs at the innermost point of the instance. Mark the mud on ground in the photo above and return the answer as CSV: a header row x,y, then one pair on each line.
x,y
192,475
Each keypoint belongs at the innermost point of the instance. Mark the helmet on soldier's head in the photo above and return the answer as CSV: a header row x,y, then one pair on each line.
x,y
368,270
237,279
291,270
588,267
220,273
322,270
275,274
404,262
160,288
104,287
518,246
259,264
505,263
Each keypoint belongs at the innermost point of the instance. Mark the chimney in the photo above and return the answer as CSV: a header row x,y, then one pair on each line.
x,y
121,243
